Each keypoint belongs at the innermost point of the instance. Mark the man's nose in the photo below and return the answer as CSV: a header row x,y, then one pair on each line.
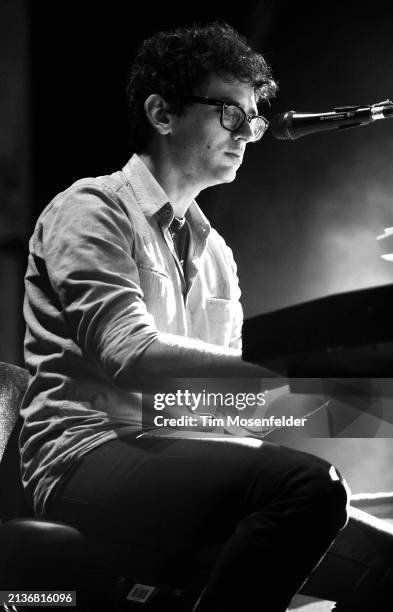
x,y
244,132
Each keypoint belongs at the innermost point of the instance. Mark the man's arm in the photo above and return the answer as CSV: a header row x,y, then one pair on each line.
x,y
88,253
177,356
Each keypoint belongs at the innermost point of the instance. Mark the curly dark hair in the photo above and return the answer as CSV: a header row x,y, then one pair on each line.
x,y
174,63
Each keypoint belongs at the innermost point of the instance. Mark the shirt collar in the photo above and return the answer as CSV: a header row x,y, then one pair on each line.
x,y
153,200
149,194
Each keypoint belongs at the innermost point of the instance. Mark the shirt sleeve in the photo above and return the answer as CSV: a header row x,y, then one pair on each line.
x,y
88,240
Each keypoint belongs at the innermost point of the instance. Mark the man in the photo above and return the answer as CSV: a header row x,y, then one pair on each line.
x,y
127,282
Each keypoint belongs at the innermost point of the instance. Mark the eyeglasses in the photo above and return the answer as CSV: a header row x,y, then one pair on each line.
x,y
233,117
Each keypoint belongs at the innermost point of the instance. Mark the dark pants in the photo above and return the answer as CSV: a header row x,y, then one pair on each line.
x,y
269,513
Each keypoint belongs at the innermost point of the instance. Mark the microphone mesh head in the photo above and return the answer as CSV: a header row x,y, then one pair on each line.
x,y
280,126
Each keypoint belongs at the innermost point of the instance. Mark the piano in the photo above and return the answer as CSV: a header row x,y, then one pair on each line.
x,y
342,336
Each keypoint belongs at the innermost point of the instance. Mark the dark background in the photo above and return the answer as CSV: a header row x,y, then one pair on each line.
x,y
302,216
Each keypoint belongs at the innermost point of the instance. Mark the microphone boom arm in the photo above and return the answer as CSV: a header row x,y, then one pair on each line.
x,y
291,125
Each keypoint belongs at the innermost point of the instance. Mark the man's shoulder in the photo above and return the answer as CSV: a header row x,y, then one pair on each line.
x,y
217,243
107,190
104,183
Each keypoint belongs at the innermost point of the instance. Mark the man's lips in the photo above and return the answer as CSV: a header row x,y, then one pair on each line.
x,y
235,155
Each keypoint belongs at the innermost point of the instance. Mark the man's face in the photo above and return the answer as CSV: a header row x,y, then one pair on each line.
x,y
207,153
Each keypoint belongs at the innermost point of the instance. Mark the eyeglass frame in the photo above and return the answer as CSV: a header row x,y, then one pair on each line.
x,y
215,102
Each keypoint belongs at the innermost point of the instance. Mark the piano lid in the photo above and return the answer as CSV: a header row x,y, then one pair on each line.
x,y
341,335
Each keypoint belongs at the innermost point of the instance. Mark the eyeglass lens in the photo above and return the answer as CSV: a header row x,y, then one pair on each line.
x,y
233,117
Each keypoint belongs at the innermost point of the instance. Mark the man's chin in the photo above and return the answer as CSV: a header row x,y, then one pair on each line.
x,y
228,175
222,175
231,177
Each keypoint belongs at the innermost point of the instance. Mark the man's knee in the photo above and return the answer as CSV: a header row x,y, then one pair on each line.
x,y
315,485
329,492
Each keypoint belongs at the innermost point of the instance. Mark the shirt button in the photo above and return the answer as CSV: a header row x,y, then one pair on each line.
x,y
167,211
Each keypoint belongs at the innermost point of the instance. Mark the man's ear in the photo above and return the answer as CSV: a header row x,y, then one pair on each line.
x,y
157,114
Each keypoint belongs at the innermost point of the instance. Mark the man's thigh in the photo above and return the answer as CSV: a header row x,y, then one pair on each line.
x,y
166,498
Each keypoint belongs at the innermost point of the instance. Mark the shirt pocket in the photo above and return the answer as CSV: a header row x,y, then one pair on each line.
x,y
219,312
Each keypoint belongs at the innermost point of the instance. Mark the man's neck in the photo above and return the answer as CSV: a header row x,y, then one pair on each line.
x,y
179,191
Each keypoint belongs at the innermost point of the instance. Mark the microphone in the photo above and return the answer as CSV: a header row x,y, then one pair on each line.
x,y
291,125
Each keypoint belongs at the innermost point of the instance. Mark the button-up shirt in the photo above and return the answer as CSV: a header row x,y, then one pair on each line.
x,y
103,280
